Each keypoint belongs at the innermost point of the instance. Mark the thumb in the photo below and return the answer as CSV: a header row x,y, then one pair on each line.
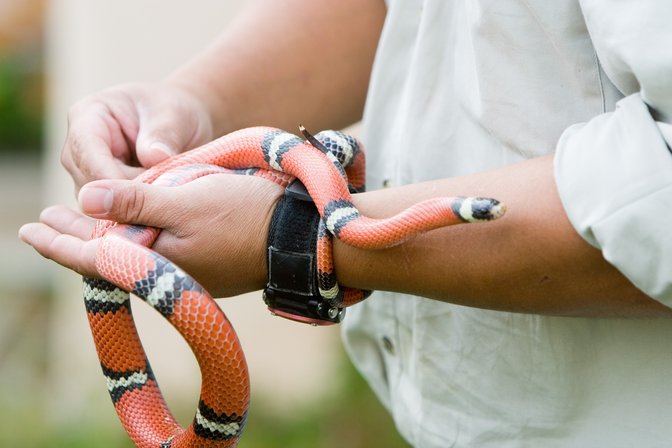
x,y
127,201
167,130
159,138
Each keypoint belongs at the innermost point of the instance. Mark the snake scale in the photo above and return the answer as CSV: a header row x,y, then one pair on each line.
x,y
128,265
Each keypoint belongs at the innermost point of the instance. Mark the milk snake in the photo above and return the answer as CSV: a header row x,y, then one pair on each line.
x,y
126,264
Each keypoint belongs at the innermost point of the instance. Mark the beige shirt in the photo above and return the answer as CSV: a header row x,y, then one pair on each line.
x,y
461,86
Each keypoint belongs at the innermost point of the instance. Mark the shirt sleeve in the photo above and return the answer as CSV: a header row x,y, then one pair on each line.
x,y
614,173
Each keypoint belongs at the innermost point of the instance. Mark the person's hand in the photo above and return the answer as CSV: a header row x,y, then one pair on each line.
x,y
120,131
215,228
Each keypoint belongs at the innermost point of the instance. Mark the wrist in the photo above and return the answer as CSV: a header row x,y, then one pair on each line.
x,y
293,290
353,266
259,259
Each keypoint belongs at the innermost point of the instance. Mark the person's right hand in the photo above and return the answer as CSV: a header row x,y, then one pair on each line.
x,y
215,228
120,131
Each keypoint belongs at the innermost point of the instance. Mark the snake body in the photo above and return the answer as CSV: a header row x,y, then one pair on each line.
x,y
127,265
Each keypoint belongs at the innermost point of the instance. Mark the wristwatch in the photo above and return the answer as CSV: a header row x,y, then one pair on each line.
x,y
292,291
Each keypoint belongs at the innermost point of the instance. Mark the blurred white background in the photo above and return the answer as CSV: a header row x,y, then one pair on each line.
x,y
59,51
90,46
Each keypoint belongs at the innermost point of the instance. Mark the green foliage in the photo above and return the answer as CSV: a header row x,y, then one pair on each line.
x,y
21,105
355,419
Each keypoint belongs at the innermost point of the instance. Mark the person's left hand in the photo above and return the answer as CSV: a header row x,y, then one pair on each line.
x,y
215,228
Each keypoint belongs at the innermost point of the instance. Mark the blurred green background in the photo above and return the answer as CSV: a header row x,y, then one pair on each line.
x,y
352,418
35,410
21,102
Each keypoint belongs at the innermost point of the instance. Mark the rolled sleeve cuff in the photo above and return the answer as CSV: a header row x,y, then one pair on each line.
x,y
614,177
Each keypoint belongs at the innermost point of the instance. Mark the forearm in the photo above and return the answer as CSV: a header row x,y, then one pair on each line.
x,y
530,261
291,61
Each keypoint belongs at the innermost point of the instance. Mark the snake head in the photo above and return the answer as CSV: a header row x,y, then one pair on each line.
x,y
477,209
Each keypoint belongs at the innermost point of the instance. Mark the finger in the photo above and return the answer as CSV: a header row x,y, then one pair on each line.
x,y
87,156
94,157
114,170
68,221
94,165
130,172
97,143
67,250
167,131
131,202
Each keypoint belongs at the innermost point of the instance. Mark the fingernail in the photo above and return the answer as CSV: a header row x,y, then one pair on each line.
x,y
96,201
23,232
162,148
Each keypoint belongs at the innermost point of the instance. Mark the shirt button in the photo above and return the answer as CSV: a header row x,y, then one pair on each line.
x,y
388,345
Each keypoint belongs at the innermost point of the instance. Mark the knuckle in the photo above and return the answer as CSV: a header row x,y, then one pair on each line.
x,y
66,159
81,109
73,143
131,204
73,148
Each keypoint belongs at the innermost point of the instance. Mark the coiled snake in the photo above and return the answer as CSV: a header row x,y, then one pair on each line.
x,y
126,264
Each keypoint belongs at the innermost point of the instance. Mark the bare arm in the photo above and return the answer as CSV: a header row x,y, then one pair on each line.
x,y
290,61
530,261
281,63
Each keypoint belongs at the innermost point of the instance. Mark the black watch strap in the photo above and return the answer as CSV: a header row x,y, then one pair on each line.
x,y
292,290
